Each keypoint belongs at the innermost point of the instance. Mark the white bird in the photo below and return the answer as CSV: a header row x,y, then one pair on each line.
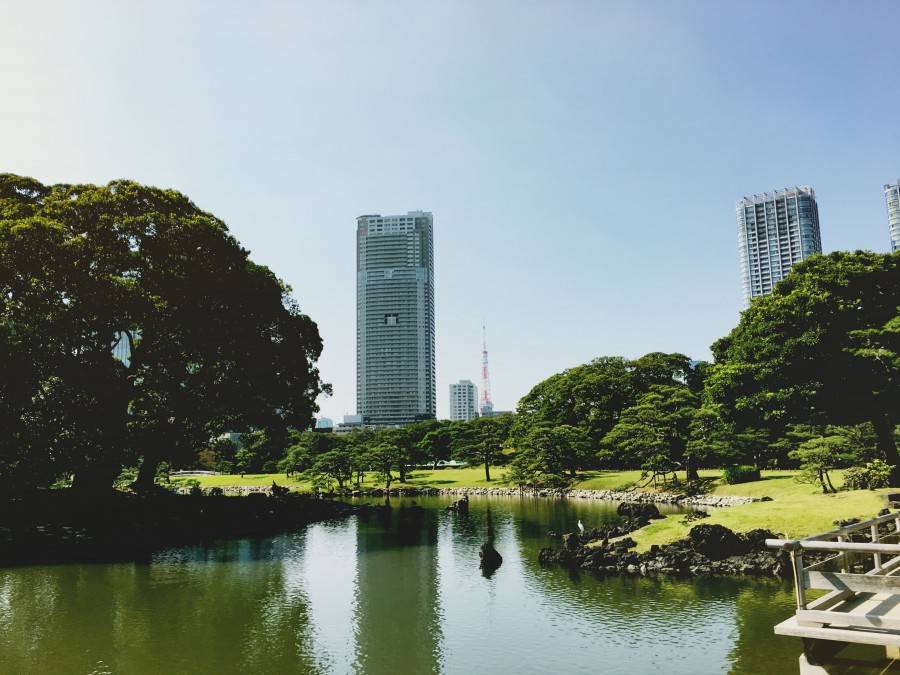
x,y
580,526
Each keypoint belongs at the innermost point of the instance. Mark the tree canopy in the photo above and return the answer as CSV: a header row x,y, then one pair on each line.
x,y
592,396
822,348
214,342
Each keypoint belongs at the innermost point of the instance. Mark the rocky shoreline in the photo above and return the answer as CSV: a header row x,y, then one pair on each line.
x,y
708,550
630,496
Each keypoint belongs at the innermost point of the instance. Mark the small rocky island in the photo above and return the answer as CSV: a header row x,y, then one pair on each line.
x,y
708,550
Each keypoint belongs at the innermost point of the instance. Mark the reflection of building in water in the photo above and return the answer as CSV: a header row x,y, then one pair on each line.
x,y
398,622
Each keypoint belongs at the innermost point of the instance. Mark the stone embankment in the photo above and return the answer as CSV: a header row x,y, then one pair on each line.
x,y
229,490
631,496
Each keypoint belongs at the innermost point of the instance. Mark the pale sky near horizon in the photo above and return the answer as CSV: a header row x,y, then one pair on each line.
x,y
582,159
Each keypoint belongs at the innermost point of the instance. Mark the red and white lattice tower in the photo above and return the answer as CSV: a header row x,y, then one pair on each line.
x,y
487,406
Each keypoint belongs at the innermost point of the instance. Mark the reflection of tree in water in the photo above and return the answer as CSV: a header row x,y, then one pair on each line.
x,y
171,616
490,558
397,615
758,607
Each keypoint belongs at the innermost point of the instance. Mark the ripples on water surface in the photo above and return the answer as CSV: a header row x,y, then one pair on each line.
x,y
399,594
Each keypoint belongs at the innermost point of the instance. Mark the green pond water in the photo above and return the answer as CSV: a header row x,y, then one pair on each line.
x,y
398,594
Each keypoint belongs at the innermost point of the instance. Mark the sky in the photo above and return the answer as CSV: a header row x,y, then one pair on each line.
x,y
582,159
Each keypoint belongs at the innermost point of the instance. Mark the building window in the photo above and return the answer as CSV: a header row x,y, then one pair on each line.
x,y
390,319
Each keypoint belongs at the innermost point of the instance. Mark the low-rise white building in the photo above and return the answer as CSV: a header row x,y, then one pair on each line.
x,y
463,401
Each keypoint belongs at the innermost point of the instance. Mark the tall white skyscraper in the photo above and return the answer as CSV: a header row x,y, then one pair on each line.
x,y
892,197
395,370
776,230
463,401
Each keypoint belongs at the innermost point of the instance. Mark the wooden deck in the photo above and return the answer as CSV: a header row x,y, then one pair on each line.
x,y
859,567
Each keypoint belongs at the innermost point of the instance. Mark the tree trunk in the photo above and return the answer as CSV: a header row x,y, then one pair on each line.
x,y
830,484
884,431
146,478
402,471
487,471
690,471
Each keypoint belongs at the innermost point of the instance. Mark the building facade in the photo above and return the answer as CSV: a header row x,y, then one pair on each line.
x,y
395,369
776,230
463,401
892,197
352,424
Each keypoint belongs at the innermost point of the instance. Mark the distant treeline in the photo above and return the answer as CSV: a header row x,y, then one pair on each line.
x,y
209,342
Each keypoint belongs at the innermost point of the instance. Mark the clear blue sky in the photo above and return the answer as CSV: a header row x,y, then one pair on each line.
x,y
582,159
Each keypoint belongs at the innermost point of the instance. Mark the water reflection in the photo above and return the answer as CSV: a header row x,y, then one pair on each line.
x,y
398,592
398,627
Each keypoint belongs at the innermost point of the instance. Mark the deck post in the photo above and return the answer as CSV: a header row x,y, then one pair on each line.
x,y
843,556
795,550
874,531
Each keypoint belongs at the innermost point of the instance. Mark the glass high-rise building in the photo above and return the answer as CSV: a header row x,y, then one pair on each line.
x,y
892,197
776,230
395,372
463,401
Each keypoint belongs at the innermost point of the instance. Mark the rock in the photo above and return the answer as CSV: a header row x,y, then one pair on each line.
x,y
461,506
624,544
643,510
691,516
755,540
715,541
546,556
571,541
846,521
490,558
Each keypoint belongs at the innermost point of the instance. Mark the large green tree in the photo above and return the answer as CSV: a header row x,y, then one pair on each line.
x,y
216,341
480,440
656,430
550,456
823,347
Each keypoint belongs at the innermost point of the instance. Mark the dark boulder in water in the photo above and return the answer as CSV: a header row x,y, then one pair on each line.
x,y
638,510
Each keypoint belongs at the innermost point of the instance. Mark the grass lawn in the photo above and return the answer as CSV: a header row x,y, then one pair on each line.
x,y
796,509
256,479
442,478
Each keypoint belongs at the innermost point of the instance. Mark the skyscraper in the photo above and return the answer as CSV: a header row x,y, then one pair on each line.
x,y
395,371
892,197
776,230
463,401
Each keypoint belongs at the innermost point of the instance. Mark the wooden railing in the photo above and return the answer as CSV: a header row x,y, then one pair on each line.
x,y
866,566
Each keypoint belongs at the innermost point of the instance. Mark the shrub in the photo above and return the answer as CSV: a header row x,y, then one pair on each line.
x,y
740,473
871,475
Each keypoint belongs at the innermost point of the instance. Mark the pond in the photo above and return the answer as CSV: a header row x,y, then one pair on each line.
x,y
400,593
